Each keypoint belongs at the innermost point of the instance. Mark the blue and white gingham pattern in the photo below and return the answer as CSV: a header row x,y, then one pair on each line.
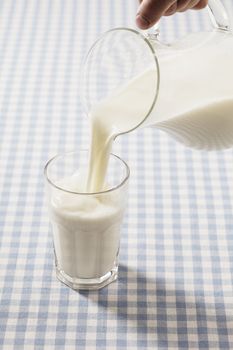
x,y
175,286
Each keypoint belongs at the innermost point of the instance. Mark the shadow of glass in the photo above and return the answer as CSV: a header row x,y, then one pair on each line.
x,y
163,316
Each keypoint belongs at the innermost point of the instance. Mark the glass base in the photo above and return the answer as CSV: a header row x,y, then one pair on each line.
x,y
87,283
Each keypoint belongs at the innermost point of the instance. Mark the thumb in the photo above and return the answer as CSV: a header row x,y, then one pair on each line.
x,y
150,11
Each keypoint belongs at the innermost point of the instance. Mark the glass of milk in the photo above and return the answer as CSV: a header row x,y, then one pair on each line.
x,y
86,226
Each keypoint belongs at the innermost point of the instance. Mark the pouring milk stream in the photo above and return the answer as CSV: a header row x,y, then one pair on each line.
x,y
187,90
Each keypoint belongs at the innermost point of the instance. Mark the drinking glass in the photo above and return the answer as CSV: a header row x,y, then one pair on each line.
x,y
86,226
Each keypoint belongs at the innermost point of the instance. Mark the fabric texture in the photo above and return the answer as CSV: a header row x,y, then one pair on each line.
x,y
175,285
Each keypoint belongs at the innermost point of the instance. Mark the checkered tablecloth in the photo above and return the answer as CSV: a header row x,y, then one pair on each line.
x,y
175,286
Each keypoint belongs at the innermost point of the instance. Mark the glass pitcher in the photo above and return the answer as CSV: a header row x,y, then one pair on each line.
x,y
184,88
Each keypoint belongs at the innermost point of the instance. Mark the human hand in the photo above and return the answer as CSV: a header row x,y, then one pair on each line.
x,y
150,11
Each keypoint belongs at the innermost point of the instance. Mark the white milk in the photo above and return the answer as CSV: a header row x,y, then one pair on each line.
x,y
86,230
101,145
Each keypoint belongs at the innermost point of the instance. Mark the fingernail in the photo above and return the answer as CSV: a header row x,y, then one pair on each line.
x,y
142,22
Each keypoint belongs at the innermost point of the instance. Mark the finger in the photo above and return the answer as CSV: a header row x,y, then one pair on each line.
x,y
201,5
172,9
189,5
183,5
150,11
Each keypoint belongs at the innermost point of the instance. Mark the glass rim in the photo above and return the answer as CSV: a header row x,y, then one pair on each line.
x,y
125,179
147,41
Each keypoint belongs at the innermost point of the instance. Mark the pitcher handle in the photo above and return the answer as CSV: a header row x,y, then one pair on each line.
x,y
217,13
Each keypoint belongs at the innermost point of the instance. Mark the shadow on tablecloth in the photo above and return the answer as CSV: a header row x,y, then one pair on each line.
x,y
163,316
